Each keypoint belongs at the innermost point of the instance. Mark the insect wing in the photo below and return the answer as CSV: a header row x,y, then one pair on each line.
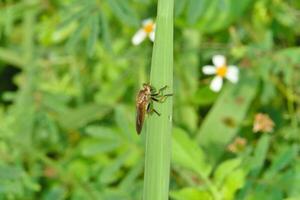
x,y
140,116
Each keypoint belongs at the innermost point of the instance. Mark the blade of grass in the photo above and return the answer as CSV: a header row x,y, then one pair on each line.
x,y
158,133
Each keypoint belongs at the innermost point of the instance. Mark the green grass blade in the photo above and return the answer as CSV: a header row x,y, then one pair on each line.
x,y
158,133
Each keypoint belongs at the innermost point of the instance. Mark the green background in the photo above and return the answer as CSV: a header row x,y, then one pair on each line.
x,y
69,75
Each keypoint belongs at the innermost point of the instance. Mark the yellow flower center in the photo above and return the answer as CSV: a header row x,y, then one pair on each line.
x,y
222,71
148,28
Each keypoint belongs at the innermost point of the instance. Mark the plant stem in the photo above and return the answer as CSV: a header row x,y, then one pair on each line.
x,y
158,133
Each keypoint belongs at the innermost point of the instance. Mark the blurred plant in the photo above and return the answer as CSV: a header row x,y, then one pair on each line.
x,y
69,73
237,145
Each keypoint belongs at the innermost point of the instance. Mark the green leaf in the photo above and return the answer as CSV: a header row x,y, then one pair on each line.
x,y
74,38
113,194
55,193
223,120
204,96
285,14
79,168
179,7
73,17
10,173
188,118
212,22
186,153
101,132
255,165
268,92
281,161
190,193
105,31
294,189
225,170
76,118
16,10
131,177
125,121
285,61
260,153
91,147
10,57
196,9
111,172
203,13
92,40
123,11
265,192
232,183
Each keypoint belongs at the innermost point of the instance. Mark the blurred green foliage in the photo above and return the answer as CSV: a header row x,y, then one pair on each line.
x,y
69,76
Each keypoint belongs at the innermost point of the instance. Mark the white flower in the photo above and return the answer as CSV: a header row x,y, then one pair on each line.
x,y
221,70
148,29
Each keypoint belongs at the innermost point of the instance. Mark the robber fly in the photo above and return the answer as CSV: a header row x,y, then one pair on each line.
x,y
144,103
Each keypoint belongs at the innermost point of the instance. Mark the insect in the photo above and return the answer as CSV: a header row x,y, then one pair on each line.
x,y
144,103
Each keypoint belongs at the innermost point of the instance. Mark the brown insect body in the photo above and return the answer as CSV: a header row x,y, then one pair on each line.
x,y
144,101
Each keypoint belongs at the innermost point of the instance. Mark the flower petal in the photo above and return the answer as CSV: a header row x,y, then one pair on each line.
x,y
232,74
209,69
152,35
216,84
139,37
219,60
147,21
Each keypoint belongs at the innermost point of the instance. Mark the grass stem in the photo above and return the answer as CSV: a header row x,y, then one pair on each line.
x,y
158,133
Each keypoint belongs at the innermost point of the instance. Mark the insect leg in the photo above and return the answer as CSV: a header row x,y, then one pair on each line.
x,y
160,91
150,109
164,98
156,112
155,99
161,98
